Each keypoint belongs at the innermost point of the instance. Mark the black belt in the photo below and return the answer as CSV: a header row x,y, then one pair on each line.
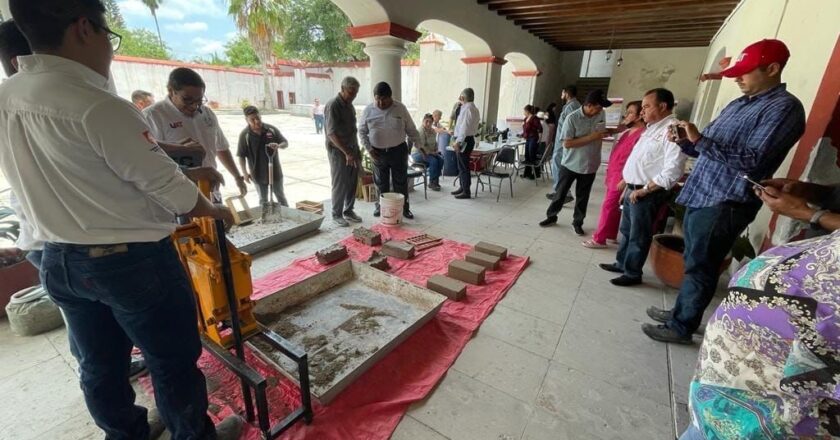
x,y
391,148
634,187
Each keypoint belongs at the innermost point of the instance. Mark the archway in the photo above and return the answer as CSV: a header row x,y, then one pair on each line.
x,y
516,90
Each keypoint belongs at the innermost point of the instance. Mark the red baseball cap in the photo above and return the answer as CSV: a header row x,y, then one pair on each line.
x,y
760,54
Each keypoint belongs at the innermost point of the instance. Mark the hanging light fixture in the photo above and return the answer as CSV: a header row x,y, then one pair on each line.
x,y
609,49
619,60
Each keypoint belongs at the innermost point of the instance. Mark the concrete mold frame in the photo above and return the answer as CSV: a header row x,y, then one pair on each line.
x,y
346,318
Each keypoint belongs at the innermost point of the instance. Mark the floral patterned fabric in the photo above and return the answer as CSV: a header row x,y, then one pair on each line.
x,y
770,360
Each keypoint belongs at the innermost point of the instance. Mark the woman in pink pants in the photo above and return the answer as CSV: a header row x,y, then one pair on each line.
x,y
610,214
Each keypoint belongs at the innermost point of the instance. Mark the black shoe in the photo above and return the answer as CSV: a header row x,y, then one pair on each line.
x,y
578,230
625,281
351,216
662,333
376,212
550,196
549,221
456,192
657,314
434,187
611,267
568,199
340,221
408,214
137,366
463,196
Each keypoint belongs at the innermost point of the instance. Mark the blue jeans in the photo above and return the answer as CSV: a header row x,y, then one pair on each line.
x,y
692,433
637,231
319,123
137,294
433,162
709,235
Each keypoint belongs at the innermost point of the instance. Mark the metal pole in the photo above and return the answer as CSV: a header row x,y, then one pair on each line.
x,y
227,276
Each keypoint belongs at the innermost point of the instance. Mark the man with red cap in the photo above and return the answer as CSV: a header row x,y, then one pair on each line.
x,y
750,137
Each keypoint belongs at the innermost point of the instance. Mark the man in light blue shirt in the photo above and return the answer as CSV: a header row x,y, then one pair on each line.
x,y
581,136
570,97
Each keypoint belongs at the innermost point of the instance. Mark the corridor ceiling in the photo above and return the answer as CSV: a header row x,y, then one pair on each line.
x,y
613,24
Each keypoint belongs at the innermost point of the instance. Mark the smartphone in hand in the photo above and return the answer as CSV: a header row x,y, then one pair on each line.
x,y
678,132
755,184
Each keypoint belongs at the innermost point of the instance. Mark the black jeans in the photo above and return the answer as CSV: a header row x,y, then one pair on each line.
x,y
532,154
139,295
463,157
583,186
637,231
709,235
392,165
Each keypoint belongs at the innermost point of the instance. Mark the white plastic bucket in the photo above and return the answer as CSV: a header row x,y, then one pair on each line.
x,y
391,208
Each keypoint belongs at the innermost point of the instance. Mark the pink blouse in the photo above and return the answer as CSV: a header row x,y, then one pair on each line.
x,y
618,157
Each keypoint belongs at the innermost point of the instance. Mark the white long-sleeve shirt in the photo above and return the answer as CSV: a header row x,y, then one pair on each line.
x,y
655,158
467,123
81,161
387,128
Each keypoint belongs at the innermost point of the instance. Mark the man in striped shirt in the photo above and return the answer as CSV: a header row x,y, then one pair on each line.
x,y
751,137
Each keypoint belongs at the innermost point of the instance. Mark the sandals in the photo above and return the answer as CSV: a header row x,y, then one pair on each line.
x,y
592,244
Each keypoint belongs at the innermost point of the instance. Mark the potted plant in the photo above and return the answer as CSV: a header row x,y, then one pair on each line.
x,y
15,271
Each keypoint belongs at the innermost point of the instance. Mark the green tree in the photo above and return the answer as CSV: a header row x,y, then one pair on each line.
x,y
113,16
263,22
142,43
239,53
213,60
153,6
316,31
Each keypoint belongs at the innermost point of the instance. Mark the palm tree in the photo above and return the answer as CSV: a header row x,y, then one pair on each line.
x,y
153,6
263,22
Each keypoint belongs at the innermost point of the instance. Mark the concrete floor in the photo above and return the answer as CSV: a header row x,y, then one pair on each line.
x,y
561,357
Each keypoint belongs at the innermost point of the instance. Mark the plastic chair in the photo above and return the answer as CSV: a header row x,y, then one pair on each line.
x,y
506,157
420,172
543,164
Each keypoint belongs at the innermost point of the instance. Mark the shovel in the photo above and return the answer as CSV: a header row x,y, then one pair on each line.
x,y
268,208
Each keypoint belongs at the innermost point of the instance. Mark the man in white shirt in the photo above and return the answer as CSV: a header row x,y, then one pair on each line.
x,y
318,116
142,99
182,119
653,168
466,127
383,129
102,196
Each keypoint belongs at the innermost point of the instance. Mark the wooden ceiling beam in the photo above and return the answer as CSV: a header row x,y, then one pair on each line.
x,y
625,19
571,30
672,7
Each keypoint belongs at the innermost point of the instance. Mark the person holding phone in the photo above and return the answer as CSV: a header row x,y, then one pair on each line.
x,y
752,135
581,136
653,168
258,143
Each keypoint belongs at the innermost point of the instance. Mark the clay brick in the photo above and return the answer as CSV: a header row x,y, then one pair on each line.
x,y
367,236
331,254
490,262
398,249
466,272
492,249
378,261
452,289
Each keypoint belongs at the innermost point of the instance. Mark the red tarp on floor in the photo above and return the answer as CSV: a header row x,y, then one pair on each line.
x,y
373,405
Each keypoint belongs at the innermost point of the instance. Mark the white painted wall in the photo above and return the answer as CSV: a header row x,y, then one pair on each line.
x,y
442,78
676,69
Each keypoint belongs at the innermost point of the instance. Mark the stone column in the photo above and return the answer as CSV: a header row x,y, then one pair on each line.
x,y
4,9
385,45
484,75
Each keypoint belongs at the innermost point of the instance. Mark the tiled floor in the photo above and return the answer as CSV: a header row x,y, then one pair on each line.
x,y
561,357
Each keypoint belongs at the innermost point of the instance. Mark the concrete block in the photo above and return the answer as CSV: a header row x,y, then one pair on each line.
x,y
490,262
466,272
367,236
451,288
378,261
398,249
331,254
492,249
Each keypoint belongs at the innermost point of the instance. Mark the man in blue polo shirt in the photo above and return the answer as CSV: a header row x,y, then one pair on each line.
x,y
751,137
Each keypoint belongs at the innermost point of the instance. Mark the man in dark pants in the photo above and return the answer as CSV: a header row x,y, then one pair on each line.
x,y
581,136
751,137
343,151
652,169
108,259
466,127
255,143
383,129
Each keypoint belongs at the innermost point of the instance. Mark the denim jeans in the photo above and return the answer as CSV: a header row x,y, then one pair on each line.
x,y
532,150
136,294
277,189
709,235
637,231
319,123
433,162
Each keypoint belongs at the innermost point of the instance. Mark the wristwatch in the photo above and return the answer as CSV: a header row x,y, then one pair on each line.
x,y
815,219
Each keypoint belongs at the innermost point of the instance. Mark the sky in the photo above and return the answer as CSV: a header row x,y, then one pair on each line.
x,y
191,28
